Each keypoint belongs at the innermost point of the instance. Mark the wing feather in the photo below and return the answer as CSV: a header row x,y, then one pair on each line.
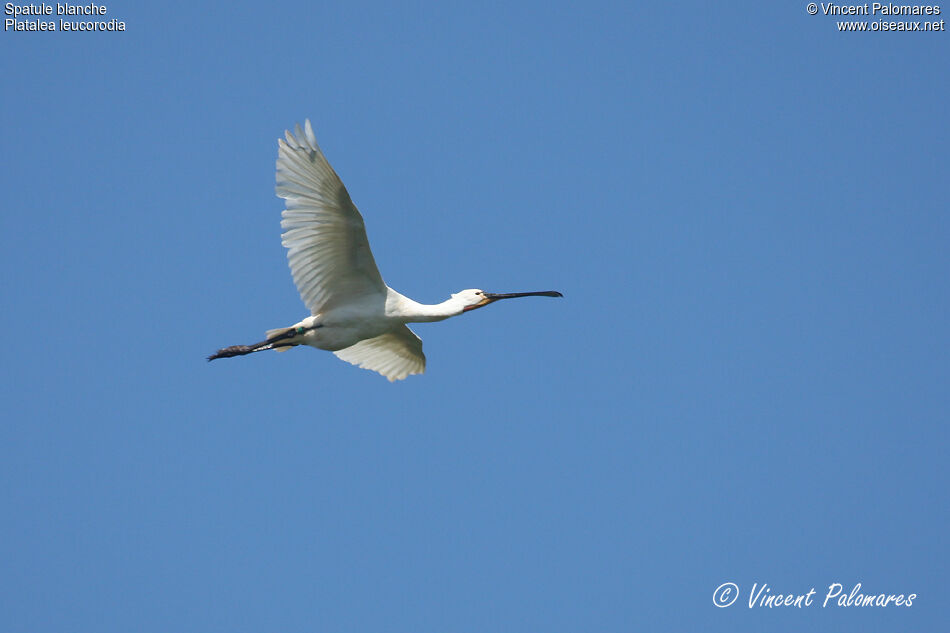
x,y
324,233
395,355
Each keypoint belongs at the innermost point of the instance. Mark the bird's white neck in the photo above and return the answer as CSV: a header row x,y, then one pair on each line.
x,y
411,311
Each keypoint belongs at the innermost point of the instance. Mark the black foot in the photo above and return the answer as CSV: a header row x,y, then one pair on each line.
x,y
228,352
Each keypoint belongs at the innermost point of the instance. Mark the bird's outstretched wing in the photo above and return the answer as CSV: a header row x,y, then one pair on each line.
x,y
395,355
324,233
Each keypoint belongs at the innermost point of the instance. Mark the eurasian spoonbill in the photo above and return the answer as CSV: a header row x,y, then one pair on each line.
x,y
353,313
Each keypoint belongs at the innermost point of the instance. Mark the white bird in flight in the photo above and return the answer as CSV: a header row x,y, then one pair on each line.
x,y
353,313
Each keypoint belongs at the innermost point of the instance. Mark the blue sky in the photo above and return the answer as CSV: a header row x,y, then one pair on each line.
x,y
746,380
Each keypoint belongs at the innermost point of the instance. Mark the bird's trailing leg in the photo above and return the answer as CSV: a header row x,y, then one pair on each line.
x,y
270,343
277,339
241,350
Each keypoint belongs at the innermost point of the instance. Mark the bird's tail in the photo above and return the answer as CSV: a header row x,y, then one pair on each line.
x,y
276,339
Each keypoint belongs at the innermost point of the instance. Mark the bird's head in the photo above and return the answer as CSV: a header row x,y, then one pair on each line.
x,y
475,298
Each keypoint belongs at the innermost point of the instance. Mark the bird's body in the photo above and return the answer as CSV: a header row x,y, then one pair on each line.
x,y
367,317
354,314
